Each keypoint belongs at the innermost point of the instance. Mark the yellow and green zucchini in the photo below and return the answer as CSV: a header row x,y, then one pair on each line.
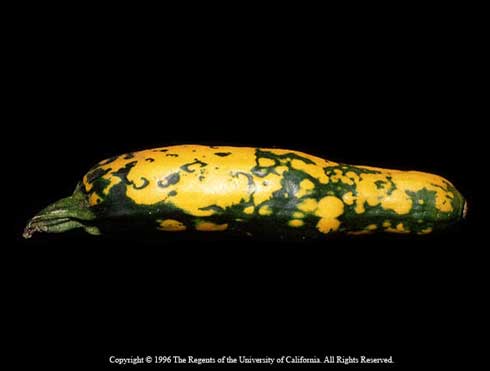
x,y
250,190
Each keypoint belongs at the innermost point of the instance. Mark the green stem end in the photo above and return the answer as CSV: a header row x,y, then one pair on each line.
x,y
68,213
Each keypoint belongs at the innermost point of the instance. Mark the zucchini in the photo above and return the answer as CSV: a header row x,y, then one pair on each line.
x,y
274,192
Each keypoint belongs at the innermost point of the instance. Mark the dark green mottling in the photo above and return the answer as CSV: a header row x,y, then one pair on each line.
x,y
186,167
117,211
171,179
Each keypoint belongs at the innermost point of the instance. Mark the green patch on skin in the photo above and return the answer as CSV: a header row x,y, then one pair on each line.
x,y
186,167
99,183
387,184
441,187
169,180
286,157
424,207
98,187
392,185
123,171
96,173
217,210
282,159
344,168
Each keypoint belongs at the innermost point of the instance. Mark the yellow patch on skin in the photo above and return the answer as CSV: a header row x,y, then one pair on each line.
x,y
349,178
443,203
265,210
399,229
329,209
398,201
386,224
305,187
368,230
88,186
94,199
327,225
211,227
308,205
296,223
266,162
367,192
359,208
425,231
249,210
311,169
352,175
336,177
298,215
281,169
420,202
348,198
171,225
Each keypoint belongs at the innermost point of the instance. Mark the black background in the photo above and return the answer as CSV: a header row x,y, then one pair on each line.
x,y
384,91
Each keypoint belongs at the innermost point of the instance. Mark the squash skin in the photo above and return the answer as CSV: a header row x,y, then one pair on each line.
x,y
220,188
262,191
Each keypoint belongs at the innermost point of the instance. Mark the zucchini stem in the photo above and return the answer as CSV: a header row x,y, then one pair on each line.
x,y
68,213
